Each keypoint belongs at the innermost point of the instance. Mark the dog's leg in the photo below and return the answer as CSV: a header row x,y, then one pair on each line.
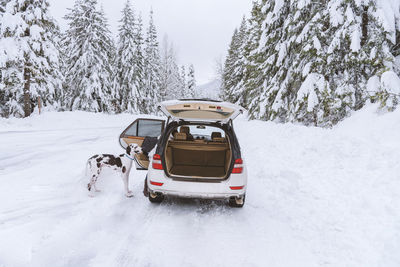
x,y
92,185
125,178
96,189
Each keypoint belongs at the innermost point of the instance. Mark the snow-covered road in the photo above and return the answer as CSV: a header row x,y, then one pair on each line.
x,y
316,197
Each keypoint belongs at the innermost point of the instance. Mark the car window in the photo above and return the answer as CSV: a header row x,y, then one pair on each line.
x,y
132,131
149,128
207,131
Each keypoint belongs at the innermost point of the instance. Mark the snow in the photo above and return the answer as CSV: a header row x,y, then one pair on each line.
x,y
355,45
316,197
302,3
391,82
389,14
317,43
373,84
36,32
307,89
278,6
306,69
282,52
335,16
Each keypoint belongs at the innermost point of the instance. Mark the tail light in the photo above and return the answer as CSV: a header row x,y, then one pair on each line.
x,y
156,183
236,187
157,162
238,166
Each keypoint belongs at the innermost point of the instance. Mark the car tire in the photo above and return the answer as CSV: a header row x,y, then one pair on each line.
x,y
237,203
156,197
145,188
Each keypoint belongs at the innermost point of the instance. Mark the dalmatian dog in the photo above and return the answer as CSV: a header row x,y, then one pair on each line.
x,y
121,163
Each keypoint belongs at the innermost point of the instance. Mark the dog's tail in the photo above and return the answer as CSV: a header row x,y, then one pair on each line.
x,y
87,165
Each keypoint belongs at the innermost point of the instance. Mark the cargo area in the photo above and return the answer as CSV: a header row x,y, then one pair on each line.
x,y
198,158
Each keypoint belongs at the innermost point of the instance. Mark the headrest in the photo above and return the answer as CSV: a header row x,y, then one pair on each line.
x,y
215,134
185,129
219,139
180,136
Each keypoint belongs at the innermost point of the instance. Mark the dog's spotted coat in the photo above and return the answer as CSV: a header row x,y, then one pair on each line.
x,y
121,163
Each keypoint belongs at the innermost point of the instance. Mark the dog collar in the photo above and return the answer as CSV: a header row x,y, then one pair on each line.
x,y
129,157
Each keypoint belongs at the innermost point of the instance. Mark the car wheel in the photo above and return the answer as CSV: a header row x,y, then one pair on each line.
x,y
156,197
145,188
237,202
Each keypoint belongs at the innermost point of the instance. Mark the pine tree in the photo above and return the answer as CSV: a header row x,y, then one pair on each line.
x,y
171,84
183,79
231,59
311,100
3,98
28,57
358,50
267,85
90,50
139,60
235,64
309,62
126,78
152,69
191,80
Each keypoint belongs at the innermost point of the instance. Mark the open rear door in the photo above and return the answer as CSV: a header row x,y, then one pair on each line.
x,y
201,110
137,132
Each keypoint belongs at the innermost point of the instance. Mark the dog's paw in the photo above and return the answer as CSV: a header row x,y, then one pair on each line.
x,y
129,194
91,195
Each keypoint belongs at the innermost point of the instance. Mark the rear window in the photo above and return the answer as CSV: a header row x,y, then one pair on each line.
x,y
207,131
202,132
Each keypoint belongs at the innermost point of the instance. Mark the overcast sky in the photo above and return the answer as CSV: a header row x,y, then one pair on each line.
x,y
200,29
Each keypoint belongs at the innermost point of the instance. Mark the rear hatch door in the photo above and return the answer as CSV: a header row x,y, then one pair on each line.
x,y
200,110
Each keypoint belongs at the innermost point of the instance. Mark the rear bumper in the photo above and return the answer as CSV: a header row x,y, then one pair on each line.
x,y
202,190
197,195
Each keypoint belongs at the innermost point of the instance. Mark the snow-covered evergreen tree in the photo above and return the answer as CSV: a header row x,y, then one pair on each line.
x,y
311,102
3,98
235,64
139,59
267,84
126,73
358,50
231,59
171,83
152,70
309,61
191,83
91,52
183,77
28,57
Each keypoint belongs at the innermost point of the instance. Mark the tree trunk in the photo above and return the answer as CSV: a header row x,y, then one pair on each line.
x,y
27,98
364,25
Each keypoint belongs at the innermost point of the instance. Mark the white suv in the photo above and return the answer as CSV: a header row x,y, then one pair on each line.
x,y
197,154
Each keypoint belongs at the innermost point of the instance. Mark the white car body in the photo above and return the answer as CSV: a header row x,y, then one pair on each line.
x,y
195,112
203,190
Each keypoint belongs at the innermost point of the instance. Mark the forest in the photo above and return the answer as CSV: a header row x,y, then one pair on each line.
x,y
314,62
84,68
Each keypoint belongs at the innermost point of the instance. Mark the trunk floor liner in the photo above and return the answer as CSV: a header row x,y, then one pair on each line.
x,y
203,171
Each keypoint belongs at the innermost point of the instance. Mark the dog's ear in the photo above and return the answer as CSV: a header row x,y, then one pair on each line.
x,y
128,150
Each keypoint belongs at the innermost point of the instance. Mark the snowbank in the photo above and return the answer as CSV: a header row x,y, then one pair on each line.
x,y
316,197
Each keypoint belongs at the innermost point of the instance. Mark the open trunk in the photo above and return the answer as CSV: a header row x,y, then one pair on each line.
x,y
198,158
